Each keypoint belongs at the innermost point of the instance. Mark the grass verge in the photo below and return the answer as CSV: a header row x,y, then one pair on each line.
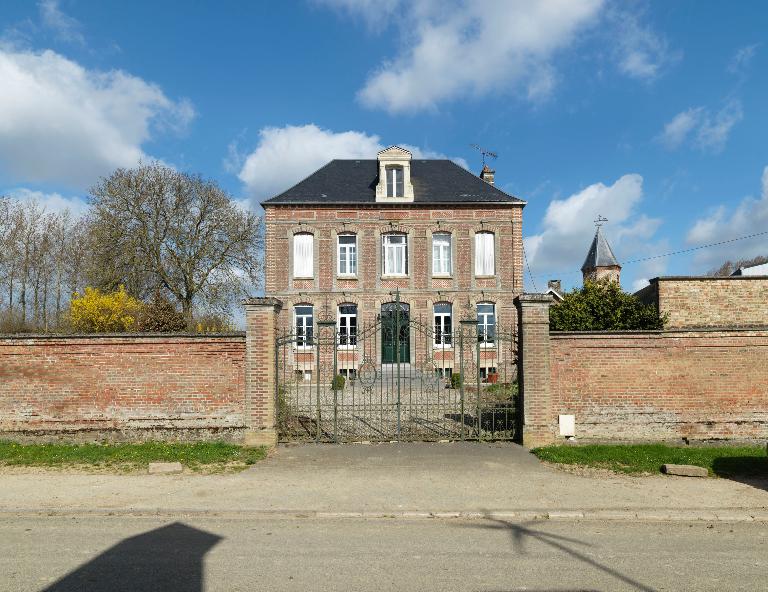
x,y
208,456
724,461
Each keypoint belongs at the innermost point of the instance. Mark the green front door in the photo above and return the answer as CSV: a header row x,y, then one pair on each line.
x,y
395,315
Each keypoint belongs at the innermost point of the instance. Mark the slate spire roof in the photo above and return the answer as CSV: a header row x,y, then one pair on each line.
x,y
354,182
600,254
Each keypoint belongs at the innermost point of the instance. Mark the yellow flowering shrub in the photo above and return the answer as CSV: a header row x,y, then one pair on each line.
x,y
100,312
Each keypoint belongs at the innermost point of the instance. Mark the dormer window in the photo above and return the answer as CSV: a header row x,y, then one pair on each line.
x,y
395,181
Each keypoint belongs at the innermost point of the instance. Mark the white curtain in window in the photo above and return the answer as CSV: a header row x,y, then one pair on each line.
x,y
441,254
485,263
303,255
395,254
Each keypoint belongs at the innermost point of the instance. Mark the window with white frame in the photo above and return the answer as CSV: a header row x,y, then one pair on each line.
x,y
304,321
395,181
486,322
348,325
303,255
347,254
485,259
443,324
395,254
441,254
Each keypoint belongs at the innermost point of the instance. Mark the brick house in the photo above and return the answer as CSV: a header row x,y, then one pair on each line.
x,y
358,236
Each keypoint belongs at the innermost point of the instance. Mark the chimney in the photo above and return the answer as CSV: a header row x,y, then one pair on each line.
x,y
487,174
555,285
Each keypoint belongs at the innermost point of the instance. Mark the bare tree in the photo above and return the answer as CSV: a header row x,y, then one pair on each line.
x,y
729,267
153,227
35,250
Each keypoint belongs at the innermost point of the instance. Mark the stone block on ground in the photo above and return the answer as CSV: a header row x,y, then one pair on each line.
x,y
165,468
685,470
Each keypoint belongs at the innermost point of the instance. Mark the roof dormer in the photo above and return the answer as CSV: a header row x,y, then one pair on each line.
x,y
394,184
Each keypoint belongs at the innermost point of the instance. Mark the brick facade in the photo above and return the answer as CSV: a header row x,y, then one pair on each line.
x,y
370,288
123,387
691,302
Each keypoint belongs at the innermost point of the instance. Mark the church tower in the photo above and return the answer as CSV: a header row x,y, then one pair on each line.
x,y
600,262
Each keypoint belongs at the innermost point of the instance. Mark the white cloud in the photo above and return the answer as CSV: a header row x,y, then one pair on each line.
x,y
568,229
285,155
682,124
52,202
65,27
742,58
457,48
714,131
707,131
62,123
749,217
641,52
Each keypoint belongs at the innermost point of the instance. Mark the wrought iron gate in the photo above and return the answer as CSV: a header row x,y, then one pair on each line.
x,y
398,378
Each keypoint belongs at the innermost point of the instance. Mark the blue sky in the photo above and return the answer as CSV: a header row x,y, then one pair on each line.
x,y
653,114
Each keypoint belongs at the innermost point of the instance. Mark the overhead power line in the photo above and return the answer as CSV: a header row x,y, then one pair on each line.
x,y
724,242
533,281
661,256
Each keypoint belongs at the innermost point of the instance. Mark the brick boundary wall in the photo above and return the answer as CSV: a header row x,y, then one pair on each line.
x,y
679,385
123,387
709,302
674,385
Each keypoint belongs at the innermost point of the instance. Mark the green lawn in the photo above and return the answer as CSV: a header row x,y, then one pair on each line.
x,y
725,461
197,456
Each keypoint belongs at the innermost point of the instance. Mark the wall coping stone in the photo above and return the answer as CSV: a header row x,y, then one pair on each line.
x,y
44,336
533,297
263,301
660,332
677,278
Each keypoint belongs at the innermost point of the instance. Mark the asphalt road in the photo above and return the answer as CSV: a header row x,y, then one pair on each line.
x,y
194,553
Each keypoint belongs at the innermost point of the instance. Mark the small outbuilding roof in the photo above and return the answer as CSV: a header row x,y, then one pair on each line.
x,y
761,269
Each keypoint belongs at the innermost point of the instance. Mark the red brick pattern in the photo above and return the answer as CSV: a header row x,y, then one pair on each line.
x,y
699,385
420,289
535,368
174,386
261,319
706,302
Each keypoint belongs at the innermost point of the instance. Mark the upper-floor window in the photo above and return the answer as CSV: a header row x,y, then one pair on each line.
x,y
347,254
441,254
395,181
485,259
486,322
395,254
303,255
348,325
443,324
304,323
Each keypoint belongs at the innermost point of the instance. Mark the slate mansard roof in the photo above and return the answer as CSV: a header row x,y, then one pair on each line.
x,y
354,182
600,254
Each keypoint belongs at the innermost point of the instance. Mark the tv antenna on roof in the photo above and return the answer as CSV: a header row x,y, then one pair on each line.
x,y
484,152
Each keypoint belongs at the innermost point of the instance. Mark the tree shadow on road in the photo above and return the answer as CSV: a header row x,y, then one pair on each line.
x,y
169,558
522,532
